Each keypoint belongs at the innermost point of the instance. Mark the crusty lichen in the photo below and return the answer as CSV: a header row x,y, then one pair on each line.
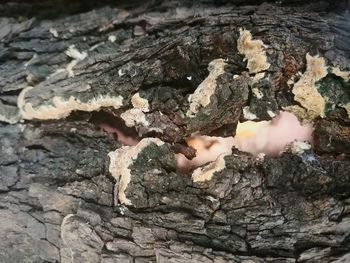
x,y
306,93
299,147
345,75
253,51
9,114
4,118
121,160
206,173
201,96
335,90
61,108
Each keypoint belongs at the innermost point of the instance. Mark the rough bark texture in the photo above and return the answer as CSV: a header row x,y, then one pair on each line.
x,y
57,196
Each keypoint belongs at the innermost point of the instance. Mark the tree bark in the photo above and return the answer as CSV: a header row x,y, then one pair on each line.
x,y
59,202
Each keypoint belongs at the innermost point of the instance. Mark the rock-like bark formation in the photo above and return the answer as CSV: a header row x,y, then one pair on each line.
x,y
170,69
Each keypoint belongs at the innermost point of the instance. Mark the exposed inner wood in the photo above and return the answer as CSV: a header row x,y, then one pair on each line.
x,y
145,63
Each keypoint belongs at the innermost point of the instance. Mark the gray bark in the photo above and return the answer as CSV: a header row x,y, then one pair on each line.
x,y
57,196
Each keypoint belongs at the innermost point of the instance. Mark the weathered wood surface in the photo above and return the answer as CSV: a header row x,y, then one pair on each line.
x,y
57,194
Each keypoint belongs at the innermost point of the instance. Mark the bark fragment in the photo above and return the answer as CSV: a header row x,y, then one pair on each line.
x,y
56,192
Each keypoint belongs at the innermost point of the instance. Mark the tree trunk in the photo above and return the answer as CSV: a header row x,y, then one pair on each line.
x,y
68,69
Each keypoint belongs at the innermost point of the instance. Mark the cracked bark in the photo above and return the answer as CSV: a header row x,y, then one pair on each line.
x,y
55,189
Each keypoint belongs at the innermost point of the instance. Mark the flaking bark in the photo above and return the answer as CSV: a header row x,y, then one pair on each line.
x,y
56,194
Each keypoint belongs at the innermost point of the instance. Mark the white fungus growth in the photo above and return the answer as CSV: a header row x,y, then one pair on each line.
x,y
340,73
77,56
136,115
201,96
257,93
140,103
70,67
121,73
290,82
305,91
61,108
299,147
96,46
120,161
157,130
347,108
257,77
253,51
75,53
112,38
53,31
247,114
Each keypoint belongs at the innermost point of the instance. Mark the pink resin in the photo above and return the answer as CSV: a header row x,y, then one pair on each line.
x,y
268,137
